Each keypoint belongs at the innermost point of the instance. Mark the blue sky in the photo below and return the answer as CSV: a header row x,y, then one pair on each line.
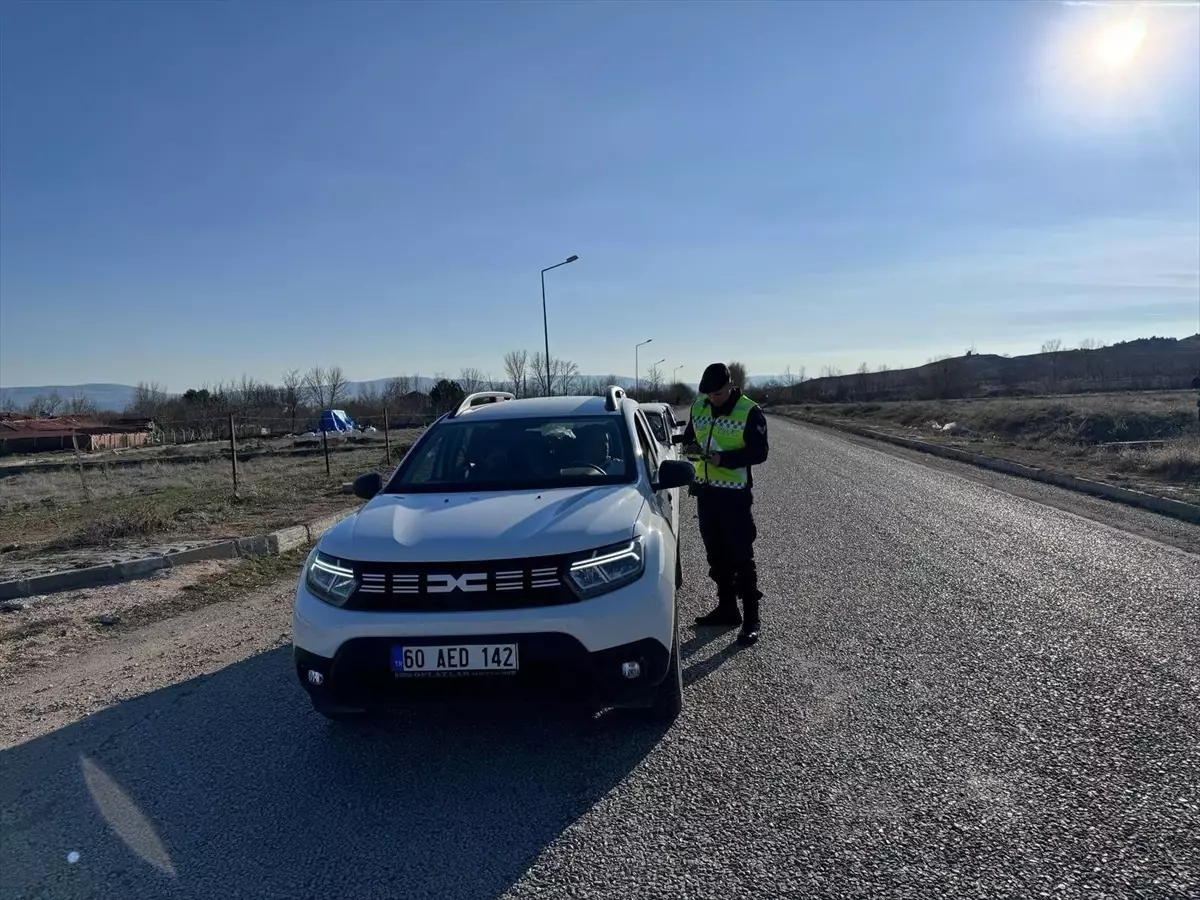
x,y
195,191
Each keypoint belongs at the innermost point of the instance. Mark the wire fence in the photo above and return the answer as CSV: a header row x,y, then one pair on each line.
x,y
218,455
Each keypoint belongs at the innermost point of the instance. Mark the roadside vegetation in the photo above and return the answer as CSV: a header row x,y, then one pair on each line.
x,y
56,510
1145,440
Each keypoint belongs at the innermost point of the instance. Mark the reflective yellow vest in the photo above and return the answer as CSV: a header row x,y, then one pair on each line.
x,y
719,434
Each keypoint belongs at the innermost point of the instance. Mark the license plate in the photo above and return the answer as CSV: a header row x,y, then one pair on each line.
x,y
454,659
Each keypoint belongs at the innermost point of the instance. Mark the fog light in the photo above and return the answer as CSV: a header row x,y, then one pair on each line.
x,y
631,669
315,677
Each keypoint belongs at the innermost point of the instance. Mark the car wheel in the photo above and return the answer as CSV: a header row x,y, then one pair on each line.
x,y
678,566
668,697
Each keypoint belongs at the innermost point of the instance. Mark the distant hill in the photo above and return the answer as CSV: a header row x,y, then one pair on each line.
x,y
1146,364
106,396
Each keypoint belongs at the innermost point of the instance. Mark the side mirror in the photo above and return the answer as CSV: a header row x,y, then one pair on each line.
x,y
677,438
674,473
368,485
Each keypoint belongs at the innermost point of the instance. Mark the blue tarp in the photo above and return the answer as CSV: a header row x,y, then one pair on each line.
x,y
335,421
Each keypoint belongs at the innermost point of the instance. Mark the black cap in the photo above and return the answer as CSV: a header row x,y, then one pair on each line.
x,y
714,378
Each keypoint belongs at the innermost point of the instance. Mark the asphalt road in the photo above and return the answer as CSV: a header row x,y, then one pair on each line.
x,y
959,693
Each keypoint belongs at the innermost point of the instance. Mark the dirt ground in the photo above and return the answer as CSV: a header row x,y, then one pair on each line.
x,y
51,521
59,661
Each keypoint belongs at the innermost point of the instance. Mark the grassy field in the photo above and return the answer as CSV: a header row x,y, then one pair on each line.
x,y
1081,434
49,511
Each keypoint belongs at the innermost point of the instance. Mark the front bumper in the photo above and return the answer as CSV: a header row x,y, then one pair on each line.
x,y
553,666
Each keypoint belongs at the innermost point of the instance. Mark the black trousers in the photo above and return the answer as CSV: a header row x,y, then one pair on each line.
x,y
728,531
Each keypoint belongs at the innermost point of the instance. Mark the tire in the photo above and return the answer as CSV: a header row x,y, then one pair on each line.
x,y
668,696
678,566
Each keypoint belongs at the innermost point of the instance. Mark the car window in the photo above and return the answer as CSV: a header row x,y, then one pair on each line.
x,y
517,454
648,444
658,425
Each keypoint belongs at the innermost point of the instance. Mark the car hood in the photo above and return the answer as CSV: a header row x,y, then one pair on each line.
x,y
464,527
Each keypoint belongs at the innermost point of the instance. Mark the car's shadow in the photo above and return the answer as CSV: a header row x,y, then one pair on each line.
x,y
230,785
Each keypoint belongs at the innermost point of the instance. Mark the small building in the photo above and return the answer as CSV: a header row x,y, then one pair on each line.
x,y
28,434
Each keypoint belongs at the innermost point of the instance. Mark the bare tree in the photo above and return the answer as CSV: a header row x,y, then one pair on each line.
x,y
515,365
325,387
828,371
471,379
79,405
395,391
45,405
737,374
149,399
654,382
292,394
562,374
1052,347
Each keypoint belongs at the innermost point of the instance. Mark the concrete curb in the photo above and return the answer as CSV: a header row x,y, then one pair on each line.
x,y
1177,509
115,573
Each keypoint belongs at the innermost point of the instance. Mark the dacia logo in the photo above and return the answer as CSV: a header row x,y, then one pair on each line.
x,y
444,584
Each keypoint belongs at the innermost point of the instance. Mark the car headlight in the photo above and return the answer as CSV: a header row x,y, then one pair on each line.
x,y
330,578
607,569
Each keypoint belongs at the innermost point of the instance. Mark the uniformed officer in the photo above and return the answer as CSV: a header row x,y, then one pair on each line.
x,y
726,435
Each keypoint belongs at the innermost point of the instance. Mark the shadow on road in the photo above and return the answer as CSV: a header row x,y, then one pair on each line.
x,y
229,785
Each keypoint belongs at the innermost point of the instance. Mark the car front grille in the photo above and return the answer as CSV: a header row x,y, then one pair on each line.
x,y
469,586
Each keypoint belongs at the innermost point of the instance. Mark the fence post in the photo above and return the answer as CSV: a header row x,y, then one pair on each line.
x,y
325,447
79,460
233,454
387,437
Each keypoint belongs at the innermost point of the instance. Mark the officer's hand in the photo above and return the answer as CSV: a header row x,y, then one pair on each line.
x,y
714,459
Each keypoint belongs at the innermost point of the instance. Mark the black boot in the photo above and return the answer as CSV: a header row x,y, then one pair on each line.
x,y
752,624
726,614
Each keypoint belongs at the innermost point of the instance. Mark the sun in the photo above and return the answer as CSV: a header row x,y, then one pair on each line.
x,y
1119,44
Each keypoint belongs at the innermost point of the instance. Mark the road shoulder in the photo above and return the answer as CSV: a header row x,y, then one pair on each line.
x,y
169,631
1170,532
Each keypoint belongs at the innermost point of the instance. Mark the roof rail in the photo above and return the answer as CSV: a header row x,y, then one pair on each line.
x,y
612,396
479,398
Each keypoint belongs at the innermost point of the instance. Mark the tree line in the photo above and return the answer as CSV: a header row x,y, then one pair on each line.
x,y
294,403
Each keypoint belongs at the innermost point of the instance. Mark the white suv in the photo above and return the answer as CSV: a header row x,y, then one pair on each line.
x,y
662,421
519,545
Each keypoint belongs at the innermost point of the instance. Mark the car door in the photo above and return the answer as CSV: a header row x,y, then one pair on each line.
x,y
667,501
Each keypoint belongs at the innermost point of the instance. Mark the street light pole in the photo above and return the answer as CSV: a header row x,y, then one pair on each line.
x,y
545,328
637,371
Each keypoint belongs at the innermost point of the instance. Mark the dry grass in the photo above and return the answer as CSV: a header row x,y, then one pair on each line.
x,y
1173,461
1062,433
1075,419
49,510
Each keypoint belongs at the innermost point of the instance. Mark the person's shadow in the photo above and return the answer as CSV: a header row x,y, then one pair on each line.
x,y
697,671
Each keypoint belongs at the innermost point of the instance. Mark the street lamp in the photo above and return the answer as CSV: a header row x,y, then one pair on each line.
x,y
545,329
674,376
637,372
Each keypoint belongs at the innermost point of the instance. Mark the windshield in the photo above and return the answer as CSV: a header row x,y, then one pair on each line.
x,y
659,426
517,454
